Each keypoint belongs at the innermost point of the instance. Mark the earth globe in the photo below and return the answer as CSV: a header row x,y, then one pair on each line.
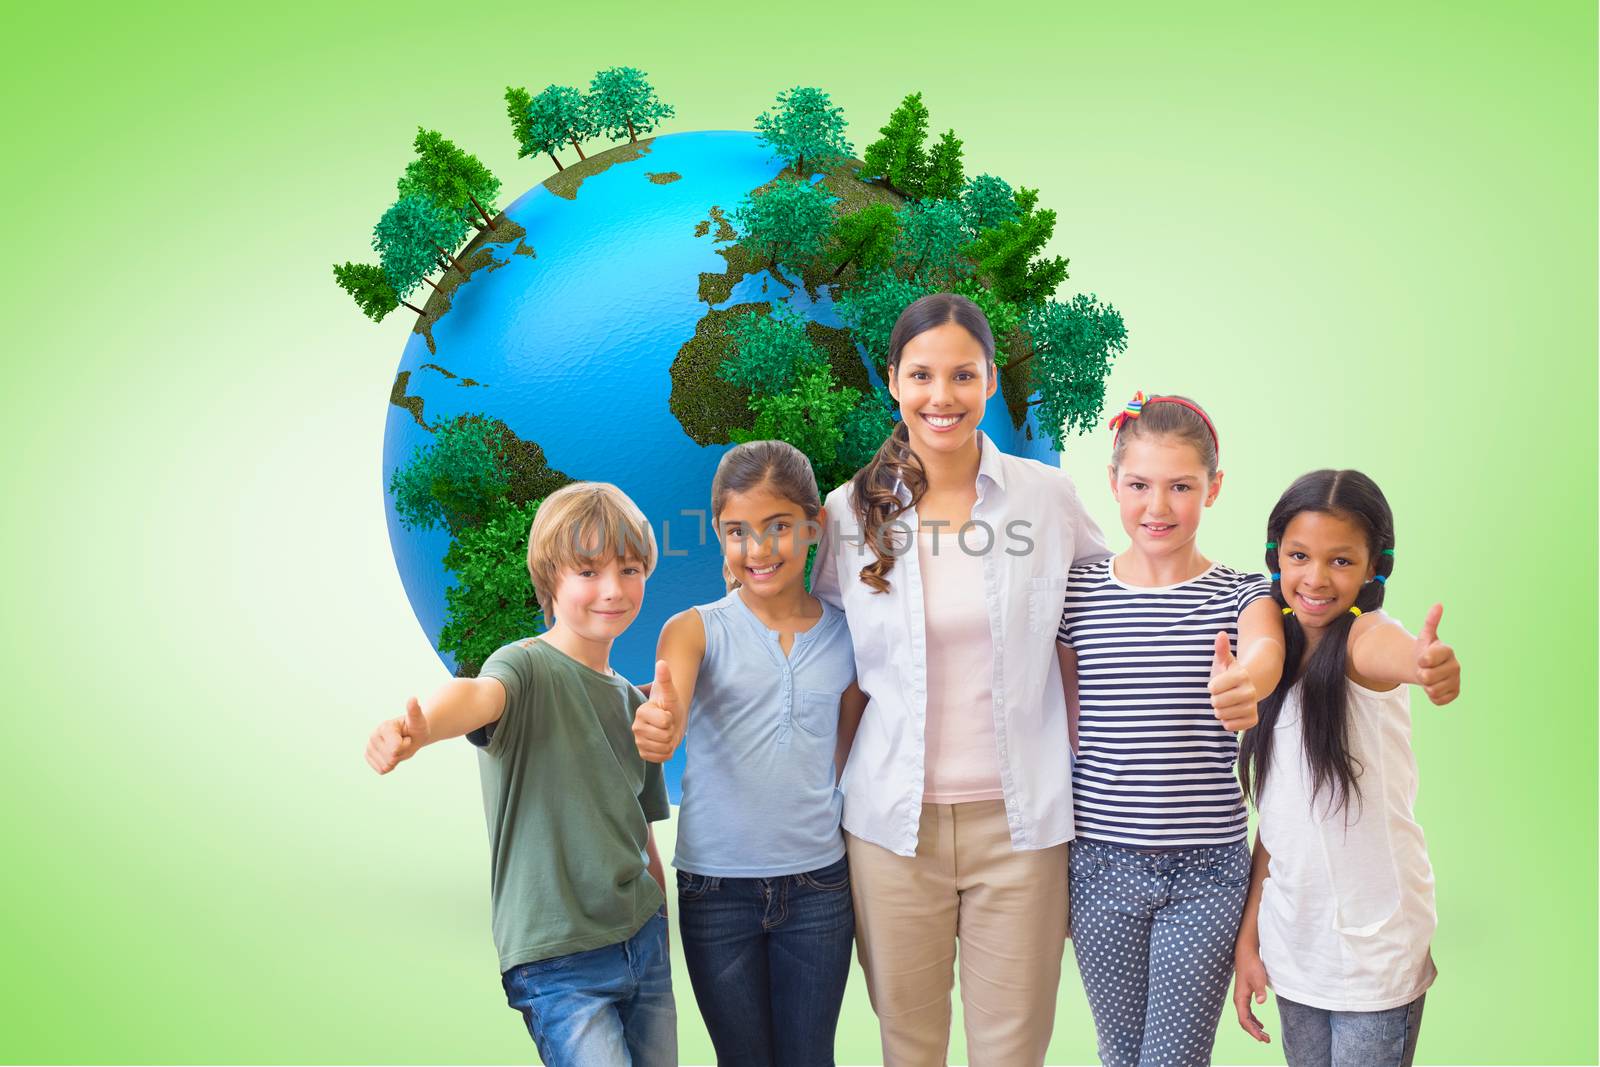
x,y
586,326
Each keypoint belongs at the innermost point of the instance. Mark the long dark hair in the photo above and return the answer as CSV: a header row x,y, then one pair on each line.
x,y
876,501
1323,713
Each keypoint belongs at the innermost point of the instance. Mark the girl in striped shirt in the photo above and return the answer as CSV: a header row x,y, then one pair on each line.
x,y
1156,696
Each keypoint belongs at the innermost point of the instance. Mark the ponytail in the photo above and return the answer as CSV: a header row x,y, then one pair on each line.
x,y
876,490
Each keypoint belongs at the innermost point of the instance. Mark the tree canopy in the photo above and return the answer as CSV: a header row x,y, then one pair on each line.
x,y
929,244
865,238
986,202
810,415
805,129
492,602
769,351
623,104
1005,254
1004,318
871,308
945,177
898,156
455,481
452,178
369,287
560,115
518,107
1073,346
787,223
413,237
861,434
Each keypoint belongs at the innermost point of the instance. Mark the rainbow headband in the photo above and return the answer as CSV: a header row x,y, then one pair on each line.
x,y
1132,409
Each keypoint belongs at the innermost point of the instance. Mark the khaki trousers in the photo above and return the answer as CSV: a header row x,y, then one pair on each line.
x,y
1008,910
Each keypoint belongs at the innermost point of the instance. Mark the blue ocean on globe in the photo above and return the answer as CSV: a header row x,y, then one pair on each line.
x,y
571,347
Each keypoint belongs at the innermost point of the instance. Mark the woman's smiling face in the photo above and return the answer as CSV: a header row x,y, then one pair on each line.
x,y
941,382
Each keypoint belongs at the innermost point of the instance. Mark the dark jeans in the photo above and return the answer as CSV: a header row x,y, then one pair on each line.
x,y
769,958
607,1007
1313,1036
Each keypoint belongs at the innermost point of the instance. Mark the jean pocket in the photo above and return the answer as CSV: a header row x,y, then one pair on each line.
x,y
829,879
1232,869
694,886
1083,864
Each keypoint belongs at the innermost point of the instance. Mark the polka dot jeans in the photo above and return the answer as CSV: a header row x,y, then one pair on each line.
x,y
1154,933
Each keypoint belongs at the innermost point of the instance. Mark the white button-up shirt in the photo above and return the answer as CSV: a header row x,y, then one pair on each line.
x,y
1040,529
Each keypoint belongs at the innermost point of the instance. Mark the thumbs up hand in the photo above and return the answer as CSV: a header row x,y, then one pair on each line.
x,y
1438,670
396,740
656,729
1233,692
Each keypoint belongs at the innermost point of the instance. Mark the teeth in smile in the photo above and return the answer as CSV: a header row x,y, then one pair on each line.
x,y
943,421
764,570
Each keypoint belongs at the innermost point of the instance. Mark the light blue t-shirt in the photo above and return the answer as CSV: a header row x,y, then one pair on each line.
x,y
759,793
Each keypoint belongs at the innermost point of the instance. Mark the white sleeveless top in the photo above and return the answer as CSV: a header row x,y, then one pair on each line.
x,y
1347,910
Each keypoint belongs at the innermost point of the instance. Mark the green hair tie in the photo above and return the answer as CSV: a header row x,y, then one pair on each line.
x,y
1274,544
1388,552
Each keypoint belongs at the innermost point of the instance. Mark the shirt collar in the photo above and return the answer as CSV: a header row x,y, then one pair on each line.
x,y
990,466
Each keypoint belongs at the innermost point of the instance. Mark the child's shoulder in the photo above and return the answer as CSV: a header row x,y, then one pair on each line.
x,y
527,659
1226,575
1088,576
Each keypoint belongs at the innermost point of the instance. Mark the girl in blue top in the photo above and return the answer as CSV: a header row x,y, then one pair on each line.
x,y
761,687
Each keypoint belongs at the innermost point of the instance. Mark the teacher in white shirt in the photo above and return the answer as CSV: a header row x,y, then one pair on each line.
x,y
950,560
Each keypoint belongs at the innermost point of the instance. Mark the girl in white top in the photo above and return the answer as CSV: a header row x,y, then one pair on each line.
x,y
950,558
1340,911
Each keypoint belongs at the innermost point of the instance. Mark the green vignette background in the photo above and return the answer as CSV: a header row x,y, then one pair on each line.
x,y
1362,237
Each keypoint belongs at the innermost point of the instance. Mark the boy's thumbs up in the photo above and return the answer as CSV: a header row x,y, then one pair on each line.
x,y
1438,671
415,725
396,740
655,725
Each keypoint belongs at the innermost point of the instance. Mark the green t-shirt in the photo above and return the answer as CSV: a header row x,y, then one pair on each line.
x,y
567,797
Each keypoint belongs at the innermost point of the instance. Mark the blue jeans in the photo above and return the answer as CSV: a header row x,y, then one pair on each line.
x,y
1314,1037
1154,935
607,1007
769,958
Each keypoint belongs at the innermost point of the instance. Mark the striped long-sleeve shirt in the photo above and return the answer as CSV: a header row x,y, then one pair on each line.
x,y
1155,768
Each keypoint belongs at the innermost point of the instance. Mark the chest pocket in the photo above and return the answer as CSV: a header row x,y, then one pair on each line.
x,y
1046,597
816,711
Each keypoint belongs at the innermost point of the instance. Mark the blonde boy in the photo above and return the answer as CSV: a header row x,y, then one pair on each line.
x,y
579,915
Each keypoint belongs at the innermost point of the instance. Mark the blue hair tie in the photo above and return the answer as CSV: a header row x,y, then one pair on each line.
x,y
1276,576
1380,578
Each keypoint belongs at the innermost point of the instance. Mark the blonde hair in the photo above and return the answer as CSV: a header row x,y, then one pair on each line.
x,y
580,525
